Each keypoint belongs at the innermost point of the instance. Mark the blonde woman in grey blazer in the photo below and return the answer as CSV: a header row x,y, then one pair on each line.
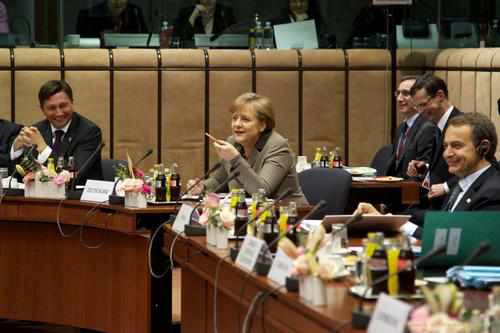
x,y
260,154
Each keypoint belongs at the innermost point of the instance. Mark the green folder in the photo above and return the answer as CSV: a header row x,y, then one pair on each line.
x,y
462,232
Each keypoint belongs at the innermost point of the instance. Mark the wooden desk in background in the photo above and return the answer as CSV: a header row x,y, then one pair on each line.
x,y
399,193
284,312
48,278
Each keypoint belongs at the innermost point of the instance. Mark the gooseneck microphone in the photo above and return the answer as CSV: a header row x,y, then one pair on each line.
x,y
483,248
72,193
205,176
146,155
361,319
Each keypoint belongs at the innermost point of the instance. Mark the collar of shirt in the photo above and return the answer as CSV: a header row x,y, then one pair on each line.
x,y
410,121
64,129
466,182
444,119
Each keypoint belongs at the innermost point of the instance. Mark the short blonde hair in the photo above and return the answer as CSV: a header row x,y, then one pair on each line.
x,y
260,104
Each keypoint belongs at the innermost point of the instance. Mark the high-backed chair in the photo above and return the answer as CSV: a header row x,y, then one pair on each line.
x,y
381,160
108,168
331,185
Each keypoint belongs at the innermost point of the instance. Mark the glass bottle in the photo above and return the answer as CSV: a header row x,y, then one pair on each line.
x,y
161,185
51,165
337,159
72,167
377,264
259,35
268,36
175,183
270,229
292,221
166,32
241,215
406,268
60,164
283,221
323,162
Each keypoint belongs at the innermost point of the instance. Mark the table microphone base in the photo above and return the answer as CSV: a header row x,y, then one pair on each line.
x,y
195,230
233,252
13,192
262,268
114,199
292,284
360,319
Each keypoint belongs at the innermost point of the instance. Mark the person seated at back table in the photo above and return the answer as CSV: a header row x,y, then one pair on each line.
x,y
415,137
255,150
8,132
63,132
206,17
117,16
469,147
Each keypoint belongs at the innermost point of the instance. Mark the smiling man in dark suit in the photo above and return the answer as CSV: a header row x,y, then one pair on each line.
x,y
63,132
430,95
415,137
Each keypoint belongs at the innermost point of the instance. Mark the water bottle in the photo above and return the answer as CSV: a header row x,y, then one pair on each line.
x,y
268,36
259,36
165,34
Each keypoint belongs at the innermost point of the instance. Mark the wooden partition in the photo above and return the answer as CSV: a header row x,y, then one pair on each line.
x,y
166,99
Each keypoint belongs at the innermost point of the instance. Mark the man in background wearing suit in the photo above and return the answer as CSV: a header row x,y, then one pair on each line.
x,y
8,132
430,95
415,137
469,147
62,133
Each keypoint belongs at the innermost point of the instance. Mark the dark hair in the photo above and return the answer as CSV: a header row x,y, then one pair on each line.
x,y
53,87
408,77
431,83
482,129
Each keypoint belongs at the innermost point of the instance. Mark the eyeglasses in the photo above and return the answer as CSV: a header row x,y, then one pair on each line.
x,y
424,104
404,93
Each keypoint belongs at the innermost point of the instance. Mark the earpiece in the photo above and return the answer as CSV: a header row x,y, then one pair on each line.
x,y
483,148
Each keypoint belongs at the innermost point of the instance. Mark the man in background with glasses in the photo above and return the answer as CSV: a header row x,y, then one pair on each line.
x,y
430,95
416,135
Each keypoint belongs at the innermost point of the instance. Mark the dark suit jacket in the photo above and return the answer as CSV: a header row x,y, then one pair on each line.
x,y
80,141
271,167
8,132
223,18
483,194
95,20
420,145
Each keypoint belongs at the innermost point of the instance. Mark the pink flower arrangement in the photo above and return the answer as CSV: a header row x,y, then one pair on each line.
x,y
134,185
214,215
45,175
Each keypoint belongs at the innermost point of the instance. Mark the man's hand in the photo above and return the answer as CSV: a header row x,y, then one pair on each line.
x,y
225,150
366,208
197,11
34,137
415,168
436,190
21,140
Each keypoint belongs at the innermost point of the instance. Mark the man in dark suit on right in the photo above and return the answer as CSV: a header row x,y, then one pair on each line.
x,y
469,150
430,95
63,132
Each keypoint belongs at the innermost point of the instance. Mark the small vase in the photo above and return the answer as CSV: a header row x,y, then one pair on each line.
x,y
135,200
222,238
313,290
211,237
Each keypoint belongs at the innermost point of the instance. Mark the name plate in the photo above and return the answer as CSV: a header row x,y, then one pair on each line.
x,y
97,190
182,218
249,252
390,315
281,267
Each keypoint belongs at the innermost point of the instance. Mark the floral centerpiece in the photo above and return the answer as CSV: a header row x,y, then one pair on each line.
x,y
132,184
41,181
313,270
218,218
443,311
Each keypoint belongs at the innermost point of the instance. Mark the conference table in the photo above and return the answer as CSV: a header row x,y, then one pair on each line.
x,y
90,270
282,311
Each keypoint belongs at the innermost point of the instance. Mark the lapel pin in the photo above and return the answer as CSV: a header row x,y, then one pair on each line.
x,y
468,200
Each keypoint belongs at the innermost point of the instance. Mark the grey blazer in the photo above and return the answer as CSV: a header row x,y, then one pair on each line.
x,y
271,167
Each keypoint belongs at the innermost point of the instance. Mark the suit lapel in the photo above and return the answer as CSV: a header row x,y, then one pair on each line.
x,y
468,198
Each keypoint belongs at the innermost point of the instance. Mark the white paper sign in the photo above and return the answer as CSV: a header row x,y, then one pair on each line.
x,y
453,241
97,190
249,252
390,315
281,267
182,218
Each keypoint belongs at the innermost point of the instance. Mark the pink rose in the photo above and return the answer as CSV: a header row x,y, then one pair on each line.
x,y
132,185
227,217
203,220
146,189
138,173
29,177
301,265
59,180
212,200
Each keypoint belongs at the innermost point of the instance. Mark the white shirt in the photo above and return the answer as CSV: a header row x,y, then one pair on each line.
x,y
44,154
